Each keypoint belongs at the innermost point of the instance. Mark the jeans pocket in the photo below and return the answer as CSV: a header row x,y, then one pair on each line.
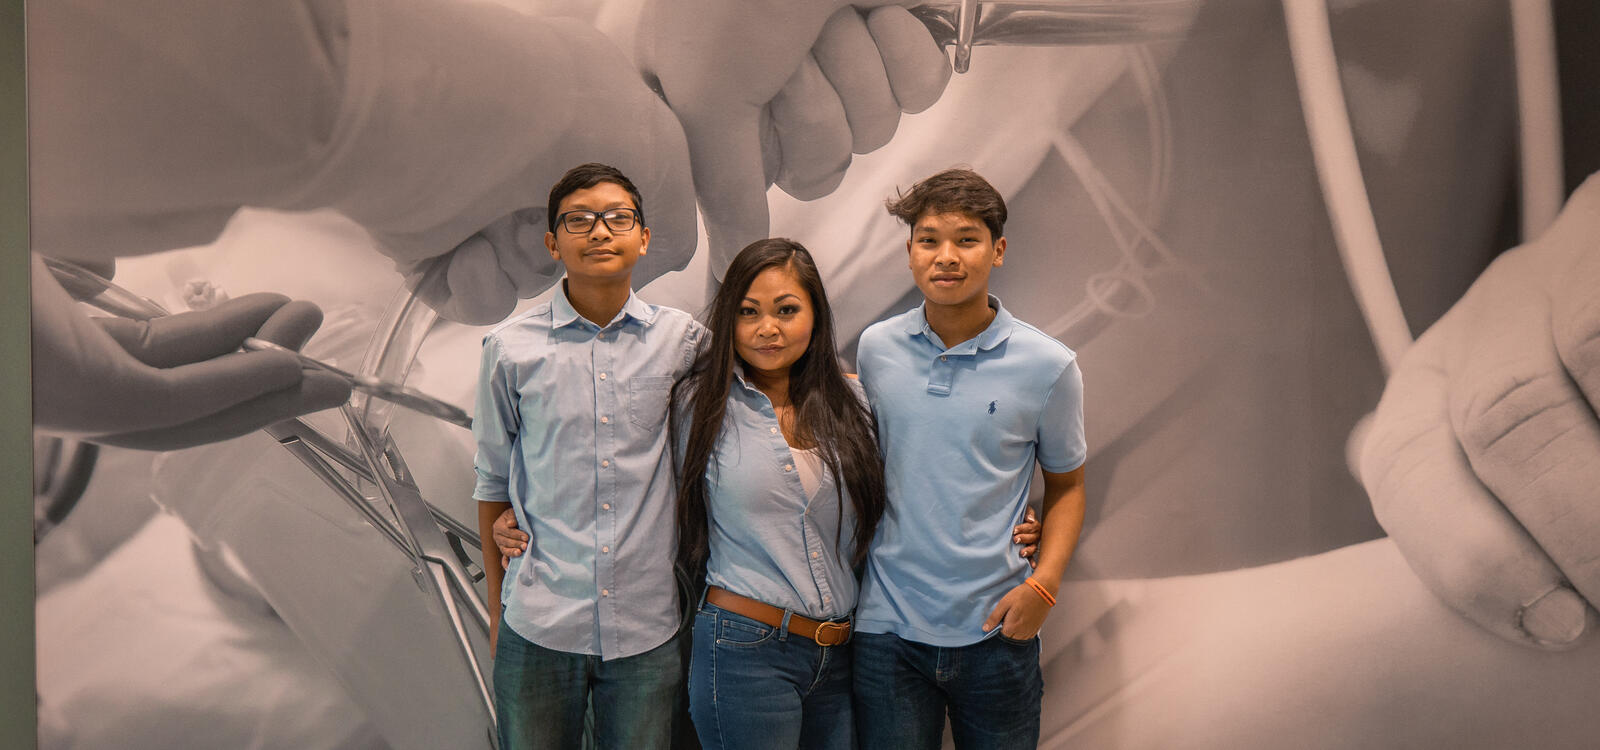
x,y
1013,641
647,400
742,634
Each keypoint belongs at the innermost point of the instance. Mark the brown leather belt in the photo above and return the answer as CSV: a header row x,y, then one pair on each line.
x,y
823,633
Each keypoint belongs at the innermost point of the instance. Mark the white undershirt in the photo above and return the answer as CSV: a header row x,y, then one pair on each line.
x,y
809,463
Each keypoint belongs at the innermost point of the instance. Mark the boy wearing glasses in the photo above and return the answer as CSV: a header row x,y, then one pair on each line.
x,y
968,400
571,399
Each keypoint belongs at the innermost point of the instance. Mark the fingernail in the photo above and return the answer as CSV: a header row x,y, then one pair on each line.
x,y
1016,540
1555,619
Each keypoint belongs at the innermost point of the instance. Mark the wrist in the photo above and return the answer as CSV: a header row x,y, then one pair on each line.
x,y
1039,589
1047,576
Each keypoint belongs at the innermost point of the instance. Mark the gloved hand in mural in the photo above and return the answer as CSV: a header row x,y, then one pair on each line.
x,y
1484,452
782,92
175,381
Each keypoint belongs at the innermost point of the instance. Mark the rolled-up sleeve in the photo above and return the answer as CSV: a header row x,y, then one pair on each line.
x,y
495,425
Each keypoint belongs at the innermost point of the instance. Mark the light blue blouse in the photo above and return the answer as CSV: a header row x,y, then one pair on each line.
x,y
768,541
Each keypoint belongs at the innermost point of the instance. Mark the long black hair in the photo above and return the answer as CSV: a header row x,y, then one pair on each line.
x,y
827,412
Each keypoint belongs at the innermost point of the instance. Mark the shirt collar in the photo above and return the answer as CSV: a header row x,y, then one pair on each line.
x,y
998,331
747,391
563,314
740,380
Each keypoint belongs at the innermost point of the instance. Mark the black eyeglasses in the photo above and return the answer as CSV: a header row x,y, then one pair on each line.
x,y
582,222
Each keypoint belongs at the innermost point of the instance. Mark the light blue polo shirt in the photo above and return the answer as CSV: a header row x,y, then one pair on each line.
x,y
961,428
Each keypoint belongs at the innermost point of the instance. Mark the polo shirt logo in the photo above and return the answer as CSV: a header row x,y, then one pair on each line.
x,y
991,407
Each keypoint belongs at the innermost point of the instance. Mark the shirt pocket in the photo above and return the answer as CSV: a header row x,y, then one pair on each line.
x,y
647,401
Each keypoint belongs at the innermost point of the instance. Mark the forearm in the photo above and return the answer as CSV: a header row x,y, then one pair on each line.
x,y
150,118
1062,510
397,113
493,563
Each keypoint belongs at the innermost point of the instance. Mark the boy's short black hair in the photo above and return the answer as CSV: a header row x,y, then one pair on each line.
x,y
958,190
583,177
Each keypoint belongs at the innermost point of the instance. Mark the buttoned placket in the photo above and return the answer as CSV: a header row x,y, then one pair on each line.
x,y
942,370
785,455
608,409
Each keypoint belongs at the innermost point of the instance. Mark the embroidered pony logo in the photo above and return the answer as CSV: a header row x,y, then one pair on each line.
x,y
991,407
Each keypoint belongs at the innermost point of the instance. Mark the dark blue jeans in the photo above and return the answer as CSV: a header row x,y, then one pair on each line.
x,y
540,696
753,686
992,690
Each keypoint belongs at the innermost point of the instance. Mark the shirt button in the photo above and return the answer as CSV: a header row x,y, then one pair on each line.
x,y
605,462
605,549
602,337
772,430
605,592
813,555
942,358
602,376
605,420
788,467
605,506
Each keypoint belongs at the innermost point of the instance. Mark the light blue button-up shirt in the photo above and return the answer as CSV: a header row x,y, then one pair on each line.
x,y
571,431
768,541
961,428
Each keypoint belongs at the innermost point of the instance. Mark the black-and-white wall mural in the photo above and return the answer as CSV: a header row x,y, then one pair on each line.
x,y
1343,439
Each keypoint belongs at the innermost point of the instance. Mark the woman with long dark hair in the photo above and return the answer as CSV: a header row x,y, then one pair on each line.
x,y
780,486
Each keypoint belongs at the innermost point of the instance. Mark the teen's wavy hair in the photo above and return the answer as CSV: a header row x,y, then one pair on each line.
x,y
956,190
828,415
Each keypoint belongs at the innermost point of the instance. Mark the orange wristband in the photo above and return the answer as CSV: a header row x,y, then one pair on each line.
x,y
1038,589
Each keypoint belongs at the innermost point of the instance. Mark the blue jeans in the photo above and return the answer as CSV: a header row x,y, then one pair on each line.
x,y
992,690
540,696
753,686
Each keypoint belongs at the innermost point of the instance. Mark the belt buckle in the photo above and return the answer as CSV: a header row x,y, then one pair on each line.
x,y
832,633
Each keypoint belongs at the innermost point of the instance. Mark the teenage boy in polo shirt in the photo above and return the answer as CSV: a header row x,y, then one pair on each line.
x,y
967,399
571,399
